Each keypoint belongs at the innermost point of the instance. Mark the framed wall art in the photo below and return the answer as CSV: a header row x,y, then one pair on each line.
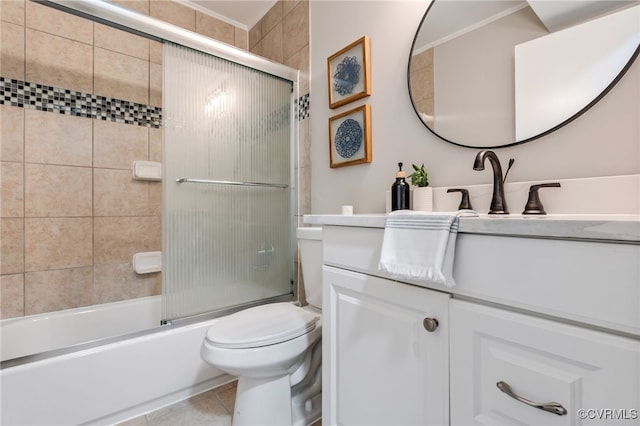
x,y
350,137
349,73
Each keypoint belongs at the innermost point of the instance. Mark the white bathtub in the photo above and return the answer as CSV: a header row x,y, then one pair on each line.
x,y
105,383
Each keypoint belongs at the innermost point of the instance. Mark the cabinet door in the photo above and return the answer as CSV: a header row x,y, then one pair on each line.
x,y
594,375
380,365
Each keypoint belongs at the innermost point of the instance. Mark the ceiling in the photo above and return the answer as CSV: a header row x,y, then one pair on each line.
x,y
241,13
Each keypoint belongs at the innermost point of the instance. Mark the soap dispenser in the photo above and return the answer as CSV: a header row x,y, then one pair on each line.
x,y
400,195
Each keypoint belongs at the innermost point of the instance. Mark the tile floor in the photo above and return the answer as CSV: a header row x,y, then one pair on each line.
x,y
211,408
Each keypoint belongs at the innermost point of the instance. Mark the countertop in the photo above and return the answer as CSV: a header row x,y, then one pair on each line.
x,y
612,228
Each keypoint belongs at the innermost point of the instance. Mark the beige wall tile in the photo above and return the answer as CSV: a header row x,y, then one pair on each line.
x,y
121,41
140,6
255,35
173,13
155,84
304,144
272,18
118,145
272,44
119,282
304,193
289,5
117,239
155,52
154,233
423,60
121,76
115,193
58,243
422,84
215,28
241,40
296,29
11,133
300,61
155,198
47,291
12,11
11,50
58,61
155,144
11,189
52,21
11,296
57,139
11,246
258,48
57,191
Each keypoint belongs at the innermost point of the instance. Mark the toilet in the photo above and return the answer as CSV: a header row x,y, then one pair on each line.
x,y
275,351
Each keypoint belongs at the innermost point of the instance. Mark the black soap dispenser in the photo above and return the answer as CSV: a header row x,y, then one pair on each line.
x,y
400,191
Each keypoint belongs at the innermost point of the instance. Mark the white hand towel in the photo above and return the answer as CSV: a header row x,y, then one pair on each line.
x,y
420,246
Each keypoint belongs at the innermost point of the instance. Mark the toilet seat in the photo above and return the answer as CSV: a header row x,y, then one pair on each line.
x,y
260,326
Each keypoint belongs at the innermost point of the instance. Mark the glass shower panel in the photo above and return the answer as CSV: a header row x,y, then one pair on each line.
x,y
227,213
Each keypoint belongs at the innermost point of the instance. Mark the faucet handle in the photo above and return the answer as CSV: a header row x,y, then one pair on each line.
x,y
534,205
465,204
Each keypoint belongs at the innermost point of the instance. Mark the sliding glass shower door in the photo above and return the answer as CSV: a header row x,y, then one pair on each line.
x,y
228,192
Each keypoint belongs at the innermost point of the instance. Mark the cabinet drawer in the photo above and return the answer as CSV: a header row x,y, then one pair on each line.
x,y
355,249
542,361
590,282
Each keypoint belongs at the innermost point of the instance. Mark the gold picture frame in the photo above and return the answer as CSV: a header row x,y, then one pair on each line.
x,y
350,137
349,73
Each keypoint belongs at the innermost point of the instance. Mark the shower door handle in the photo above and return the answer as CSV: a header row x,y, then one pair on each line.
x,y
231,182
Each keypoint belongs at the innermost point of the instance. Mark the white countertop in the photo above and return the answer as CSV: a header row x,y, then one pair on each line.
x,y
621,228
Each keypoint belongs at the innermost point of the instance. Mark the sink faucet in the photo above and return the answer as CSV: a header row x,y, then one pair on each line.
x,y
498,202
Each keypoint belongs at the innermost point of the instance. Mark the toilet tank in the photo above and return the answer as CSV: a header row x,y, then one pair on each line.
x,y
310,245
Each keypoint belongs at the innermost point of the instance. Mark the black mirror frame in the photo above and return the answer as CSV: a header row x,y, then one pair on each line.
x,y
551,130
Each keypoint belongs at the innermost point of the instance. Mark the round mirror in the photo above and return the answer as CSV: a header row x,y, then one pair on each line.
x,y
489,74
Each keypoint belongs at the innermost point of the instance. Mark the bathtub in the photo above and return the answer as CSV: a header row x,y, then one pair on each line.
x,y
108,380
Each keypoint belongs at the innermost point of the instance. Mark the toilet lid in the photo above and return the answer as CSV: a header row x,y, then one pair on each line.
x,y
262,326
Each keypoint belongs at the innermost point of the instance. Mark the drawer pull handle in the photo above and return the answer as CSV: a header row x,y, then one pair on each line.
x,y
551,407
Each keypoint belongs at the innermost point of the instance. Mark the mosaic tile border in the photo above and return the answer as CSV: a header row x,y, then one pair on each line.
x,y
303,107
70,102
40,97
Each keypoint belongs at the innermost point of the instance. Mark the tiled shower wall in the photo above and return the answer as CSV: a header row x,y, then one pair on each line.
x,y
71,215
422,86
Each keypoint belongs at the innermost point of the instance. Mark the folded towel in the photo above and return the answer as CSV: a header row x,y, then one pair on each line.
x,y
420,246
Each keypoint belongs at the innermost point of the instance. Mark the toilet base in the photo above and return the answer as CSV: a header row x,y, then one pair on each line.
x,y
263,402
274,402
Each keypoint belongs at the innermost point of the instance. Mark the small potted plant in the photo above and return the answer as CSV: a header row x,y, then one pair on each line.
x,y
423,193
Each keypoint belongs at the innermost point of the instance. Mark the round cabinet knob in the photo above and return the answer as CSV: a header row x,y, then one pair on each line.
x,y
430,324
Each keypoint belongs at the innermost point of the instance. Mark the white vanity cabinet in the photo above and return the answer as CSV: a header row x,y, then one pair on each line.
x,y
550,308
544,361
381,366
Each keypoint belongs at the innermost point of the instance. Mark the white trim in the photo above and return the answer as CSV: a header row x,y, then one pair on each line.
x,y
213,14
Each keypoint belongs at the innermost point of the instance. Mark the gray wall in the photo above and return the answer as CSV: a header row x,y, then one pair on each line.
x,y
603,142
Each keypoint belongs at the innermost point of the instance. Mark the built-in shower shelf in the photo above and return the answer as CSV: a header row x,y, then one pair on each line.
x,y
147,170
147,262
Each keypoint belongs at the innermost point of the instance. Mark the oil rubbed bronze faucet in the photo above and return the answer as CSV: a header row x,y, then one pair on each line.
x,y
498,202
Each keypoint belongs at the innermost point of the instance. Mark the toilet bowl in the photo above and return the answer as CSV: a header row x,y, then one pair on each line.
x,y
275,351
